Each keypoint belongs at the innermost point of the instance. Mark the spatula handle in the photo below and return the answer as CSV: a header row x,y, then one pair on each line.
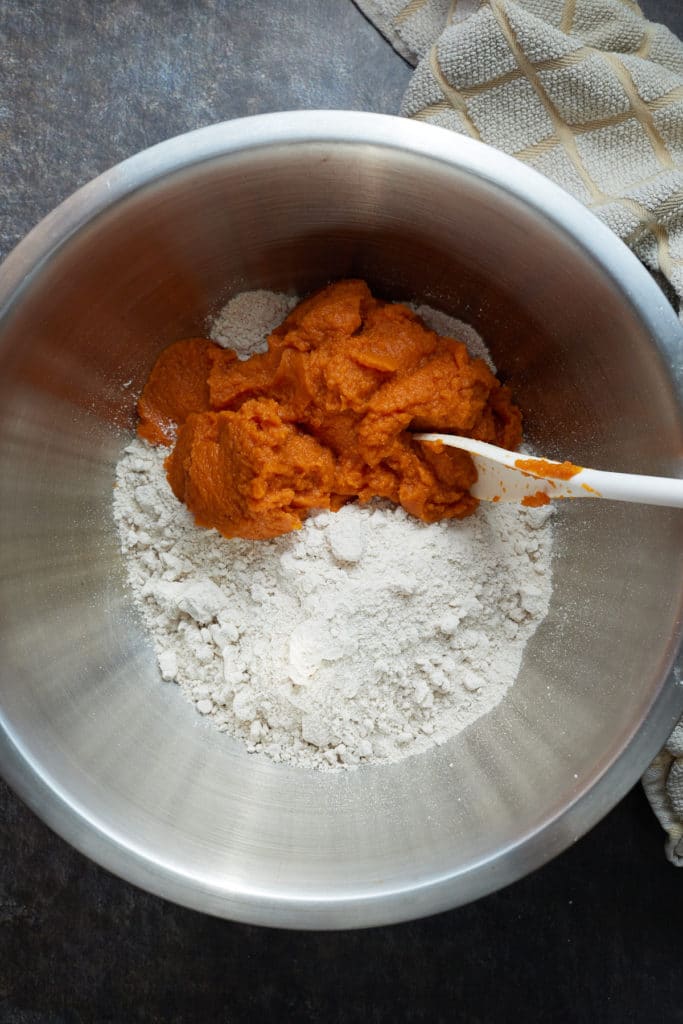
x,y
648,490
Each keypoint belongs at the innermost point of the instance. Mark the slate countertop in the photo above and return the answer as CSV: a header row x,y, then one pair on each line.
x,y
594,936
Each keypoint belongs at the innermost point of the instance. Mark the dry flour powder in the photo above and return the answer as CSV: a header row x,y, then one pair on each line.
x,y
364,637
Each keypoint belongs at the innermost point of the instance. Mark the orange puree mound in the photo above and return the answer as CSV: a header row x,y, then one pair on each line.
x,y
176,387
324,416
247,473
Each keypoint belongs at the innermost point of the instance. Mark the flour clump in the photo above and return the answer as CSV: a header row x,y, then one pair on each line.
x,y
364,637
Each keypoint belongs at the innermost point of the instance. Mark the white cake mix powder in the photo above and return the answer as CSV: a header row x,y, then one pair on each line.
x,y
365,637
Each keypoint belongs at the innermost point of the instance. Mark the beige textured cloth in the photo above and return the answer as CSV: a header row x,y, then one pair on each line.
x,y
663,783
590,93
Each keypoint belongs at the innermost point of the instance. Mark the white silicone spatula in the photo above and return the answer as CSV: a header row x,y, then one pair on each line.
x,y
510,476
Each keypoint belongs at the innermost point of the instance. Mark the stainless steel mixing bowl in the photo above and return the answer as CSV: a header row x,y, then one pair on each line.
x,y
119,763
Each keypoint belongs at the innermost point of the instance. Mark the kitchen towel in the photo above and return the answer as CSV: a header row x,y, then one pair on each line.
x,y
663,783
590,93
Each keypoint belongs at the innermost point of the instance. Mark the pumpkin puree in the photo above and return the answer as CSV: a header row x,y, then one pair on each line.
x,y
323,417
554,470
536,500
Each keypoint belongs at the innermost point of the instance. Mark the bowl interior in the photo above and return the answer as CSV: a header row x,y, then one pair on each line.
x,y
121,763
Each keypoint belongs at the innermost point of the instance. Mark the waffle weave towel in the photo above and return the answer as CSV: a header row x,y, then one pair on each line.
x,y
663,782
590,93
587,91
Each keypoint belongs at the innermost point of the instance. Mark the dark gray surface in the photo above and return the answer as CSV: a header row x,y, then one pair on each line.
x,y
87,83
594,936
